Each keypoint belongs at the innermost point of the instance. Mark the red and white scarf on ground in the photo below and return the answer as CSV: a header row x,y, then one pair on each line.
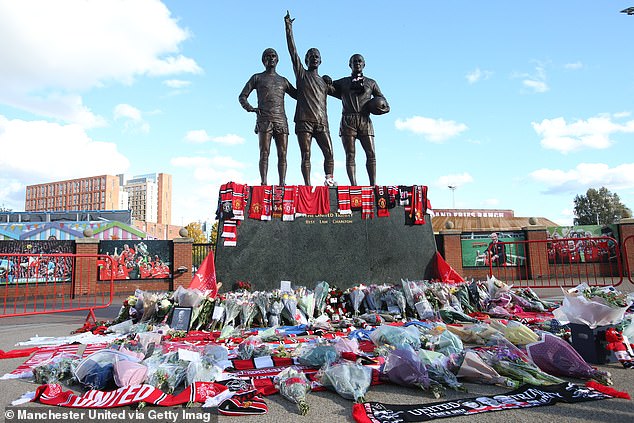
x,y
54,394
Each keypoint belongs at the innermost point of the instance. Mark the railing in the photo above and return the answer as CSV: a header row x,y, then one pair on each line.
x,y
560,262
53,283
199,252
626,255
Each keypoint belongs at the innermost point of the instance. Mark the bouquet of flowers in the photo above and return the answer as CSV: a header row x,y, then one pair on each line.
x,y
474,369
163,307
413,291
317,355
536,303
56,370
247,312
437,338
261,301
203,313
438,371
306,302
275,312
336,304
593,306
557,357
509,361
127,311
252,347
242,286
166,371
396,336
478,333
186,297
294,386
462,294
350,380
395,297
356,296
290,308
149,301
449,315
321,292
404,367
518,333
232,310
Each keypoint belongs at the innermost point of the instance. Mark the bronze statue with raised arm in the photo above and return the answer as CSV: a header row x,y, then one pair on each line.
x,y
311,119
271,120
360,97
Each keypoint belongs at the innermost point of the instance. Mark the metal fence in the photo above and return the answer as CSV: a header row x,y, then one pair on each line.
x,y
53,283
561,262
199,252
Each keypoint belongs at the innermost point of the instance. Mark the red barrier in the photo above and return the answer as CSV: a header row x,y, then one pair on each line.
x,y
627,251
560,262
53,283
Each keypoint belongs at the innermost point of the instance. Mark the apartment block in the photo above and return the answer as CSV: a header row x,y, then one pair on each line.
x,y
92,193
149,196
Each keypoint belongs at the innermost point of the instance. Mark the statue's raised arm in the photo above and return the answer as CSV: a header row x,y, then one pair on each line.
x,y
290,41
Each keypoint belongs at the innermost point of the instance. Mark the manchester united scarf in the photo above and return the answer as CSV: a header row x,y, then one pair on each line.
x,y
53,394
524,397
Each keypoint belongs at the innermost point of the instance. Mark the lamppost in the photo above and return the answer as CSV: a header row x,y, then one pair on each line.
x,y
453,195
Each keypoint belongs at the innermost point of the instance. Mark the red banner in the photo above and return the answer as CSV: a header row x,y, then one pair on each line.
x,y
205,277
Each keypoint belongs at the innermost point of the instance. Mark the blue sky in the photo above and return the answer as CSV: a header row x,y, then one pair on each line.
x,y
521,105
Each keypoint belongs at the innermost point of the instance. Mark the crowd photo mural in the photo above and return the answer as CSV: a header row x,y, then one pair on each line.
x,y
135,260
492,248
36,261
582,244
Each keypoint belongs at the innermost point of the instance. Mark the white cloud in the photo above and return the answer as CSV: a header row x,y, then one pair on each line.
x,y
584,176
574,66
478,75
208,173
229,139
132,117
56,152
593,133
199,136
535,81
535,85
176,83
59,49
435,130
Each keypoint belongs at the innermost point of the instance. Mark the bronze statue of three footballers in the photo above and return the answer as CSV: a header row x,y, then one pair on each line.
x,y
360,97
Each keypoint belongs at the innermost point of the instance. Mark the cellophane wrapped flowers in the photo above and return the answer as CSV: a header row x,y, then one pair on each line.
x,y
294,386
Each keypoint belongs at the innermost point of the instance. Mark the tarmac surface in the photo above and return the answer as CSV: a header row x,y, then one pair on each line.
x,y
324,406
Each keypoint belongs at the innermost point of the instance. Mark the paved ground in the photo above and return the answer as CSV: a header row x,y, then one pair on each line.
x,y
328,406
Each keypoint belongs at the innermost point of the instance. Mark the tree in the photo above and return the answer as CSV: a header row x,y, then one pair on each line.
x,y
194,230
213,237
599,207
